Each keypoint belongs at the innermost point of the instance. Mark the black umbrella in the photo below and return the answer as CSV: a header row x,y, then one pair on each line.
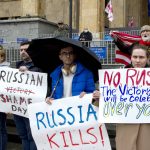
x,y
44,53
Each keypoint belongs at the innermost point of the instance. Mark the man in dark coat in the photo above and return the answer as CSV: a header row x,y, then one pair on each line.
x,y
86,35
22,123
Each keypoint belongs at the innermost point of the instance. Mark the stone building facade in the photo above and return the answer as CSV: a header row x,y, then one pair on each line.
x,y
85,13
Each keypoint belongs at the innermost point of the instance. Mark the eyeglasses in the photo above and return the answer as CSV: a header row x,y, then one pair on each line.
x,y
23,49
67,53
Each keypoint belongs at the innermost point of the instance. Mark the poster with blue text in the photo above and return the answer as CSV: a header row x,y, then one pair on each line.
x,y
124,95
68,124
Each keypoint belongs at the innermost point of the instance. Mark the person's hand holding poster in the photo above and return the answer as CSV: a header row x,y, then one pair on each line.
x,y
69,124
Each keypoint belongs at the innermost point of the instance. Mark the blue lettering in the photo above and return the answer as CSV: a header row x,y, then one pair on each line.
x,y
39,119
62,116
112,99
106,99
122,90
53,118
73,118
131,99
80,108
49,120
130,91
91,111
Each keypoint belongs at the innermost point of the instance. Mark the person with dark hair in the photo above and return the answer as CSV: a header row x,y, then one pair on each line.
x,y
71,78
134,136
86,37
3,130
22,123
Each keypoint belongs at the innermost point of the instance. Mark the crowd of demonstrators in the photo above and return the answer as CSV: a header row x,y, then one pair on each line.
x,y
22,123
71,78
3,116
62,30
135,136
85,37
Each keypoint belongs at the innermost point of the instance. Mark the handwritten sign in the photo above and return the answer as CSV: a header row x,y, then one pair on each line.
x,y
19,89
125,95
69,124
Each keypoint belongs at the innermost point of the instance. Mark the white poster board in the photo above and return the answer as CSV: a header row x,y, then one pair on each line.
x,y
68,124
19,89
125,95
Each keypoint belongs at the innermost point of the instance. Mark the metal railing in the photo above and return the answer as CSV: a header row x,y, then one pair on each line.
x,y
107,56
12,47
5,33
12,52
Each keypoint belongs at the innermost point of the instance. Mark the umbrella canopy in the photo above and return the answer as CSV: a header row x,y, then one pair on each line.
x,y
45,54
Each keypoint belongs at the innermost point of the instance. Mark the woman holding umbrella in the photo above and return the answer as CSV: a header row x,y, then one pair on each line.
x,y
71,77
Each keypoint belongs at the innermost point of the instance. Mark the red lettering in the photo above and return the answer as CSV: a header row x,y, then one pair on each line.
x,y
62,133
81,138
101,134
3,98
8,98
148,74
107,77
130,74
138,77
141,75
116,82
50,140
76,138
74,144
88,131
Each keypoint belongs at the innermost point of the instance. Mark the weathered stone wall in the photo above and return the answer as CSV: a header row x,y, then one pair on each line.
x,y
125,9
85,13
89,15
29,28
119,13
10,8
29,7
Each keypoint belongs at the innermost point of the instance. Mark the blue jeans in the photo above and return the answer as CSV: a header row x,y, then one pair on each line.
x,y
24,131
3,131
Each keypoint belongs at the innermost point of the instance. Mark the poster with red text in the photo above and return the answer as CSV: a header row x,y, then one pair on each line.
x,y
68,124
124,95
19,89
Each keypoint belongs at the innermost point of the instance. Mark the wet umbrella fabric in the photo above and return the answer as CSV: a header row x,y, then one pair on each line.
x,y
44,53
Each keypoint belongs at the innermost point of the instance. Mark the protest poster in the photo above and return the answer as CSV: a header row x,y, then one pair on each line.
x,y
124,95
68,124
19,89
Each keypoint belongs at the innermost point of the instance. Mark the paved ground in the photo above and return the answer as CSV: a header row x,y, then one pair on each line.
x,y
13,146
